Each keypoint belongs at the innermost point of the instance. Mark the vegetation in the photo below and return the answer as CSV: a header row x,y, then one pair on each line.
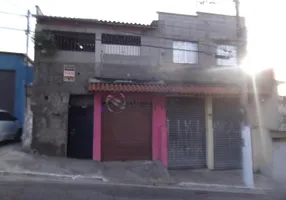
x,y
45,43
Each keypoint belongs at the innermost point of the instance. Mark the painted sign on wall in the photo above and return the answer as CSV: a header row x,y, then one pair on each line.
x,y
69,73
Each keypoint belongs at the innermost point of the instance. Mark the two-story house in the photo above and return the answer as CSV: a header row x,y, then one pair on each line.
x,y
165,91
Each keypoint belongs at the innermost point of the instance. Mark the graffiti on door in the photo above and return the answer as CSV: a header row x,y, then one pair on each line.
x,y
186,132
282,113
228,130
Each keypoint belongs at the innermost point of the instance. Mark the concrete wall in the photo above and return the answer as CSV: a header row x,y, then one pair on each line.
x,y
265,120
24,74
156,59
50,102
51,95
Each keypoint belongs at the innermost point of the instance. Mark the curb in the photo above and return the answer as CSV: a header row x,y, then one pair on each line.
x,y
52,175
184,186
224,188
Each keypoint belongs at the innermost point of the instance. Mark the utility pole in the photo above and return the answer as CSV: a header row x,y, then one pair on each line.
x,y
245,127
27,48
28,36
26,108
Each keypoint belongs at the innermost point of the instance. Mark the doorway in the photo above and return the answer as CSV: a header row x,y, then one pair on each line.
x,y
80,132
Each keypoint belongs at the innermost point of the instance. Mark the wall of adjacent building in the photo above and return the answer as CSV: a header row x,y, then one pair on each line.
x,y
24,75
265,120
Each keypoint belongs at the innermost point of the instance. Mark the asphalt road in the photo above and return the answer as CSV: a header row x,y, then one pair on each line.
x,y
26,189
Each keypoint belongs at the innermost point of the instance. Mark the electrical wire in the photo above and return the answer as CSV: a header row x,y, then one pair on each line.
x,y
168,38
151,36
15,14
142,45
151,46
12,29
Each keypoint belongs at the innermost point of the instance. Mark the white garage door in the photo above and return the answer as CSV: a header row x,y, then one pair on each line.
x,y
279,159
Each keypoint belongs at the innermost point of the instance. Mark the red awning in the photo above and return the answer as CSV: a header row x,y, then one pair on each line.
x,y
162,88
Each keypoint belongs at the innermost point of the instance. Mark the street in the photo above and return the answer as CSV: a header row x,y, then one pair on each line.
x,y
26,189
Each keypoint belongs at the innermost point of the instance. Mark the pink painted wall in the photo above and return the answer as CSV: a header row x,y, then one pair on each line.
x,y
97,127
159,131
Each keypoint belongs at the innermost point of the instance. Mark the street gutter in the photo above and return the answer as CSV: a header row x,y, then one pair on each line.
x,y
97,181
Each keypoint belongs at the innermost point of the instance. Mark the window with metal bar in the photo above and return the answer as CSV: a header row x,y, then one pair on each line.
x,y
74,41
127,45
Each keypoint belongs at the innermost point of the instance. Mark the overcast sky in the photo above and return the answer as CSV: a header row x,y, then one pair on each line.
x,y
264,20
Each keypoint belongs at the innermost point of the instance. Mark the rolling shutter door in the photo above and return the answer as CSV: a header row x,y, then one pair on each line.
x,y
279,159
186,133
127,135
227,133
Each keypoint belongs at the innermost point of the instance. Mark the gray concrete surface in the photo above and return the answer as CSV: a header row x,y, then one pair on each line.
x,y
15,162
230,178
23,189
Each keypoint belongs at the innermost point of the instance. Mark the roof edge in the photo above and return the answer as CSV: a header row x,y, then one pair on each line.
x,y
17,54
152,25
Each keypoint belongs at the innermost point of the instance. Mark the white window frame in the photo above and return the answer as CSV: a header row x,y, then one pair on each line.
x,y
230,54
124,50
185,52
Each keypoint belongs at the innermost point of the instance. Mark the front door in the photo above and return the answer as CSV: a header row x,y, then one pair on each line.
x,y
80,132
127,135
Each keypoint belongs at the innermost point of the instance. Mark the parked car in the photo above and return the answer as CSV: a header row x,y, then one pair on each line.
x,y
10,127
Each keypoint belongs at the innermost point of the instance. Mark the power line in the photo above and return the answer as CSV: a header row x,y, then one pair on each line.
x,y
144,35
152,46
15,14
12,29
142,45
169,38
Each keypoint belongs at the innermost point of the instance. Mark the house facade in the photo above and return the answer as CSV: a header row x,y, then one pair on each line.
x,y
15,74
167,91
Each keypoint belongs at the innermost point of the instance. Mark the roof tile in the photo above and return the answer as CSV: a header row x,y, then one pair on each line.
x,y
162,88
154,24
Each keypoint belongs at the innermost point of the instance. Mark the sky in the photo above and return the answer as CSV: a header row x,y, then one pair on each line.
x,y
264,20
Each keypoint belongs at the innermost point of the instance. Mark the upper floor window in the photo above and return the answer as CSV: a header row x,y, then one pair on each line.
x,y
226,55
185,52
121,44
74,41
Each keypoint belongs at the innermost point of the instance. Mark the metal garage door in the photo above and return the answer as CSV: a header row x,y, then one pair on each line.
x,y
7,90
186,133
279,159
227,133
127,135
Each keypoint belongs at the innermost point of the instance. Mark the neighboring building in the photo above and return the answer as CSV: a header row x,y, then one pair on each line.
x,y
14,75
176,79
269,129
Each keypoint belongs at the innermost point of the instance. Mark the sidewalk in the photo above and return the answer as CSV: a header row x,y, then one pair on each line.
x,y
15,162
